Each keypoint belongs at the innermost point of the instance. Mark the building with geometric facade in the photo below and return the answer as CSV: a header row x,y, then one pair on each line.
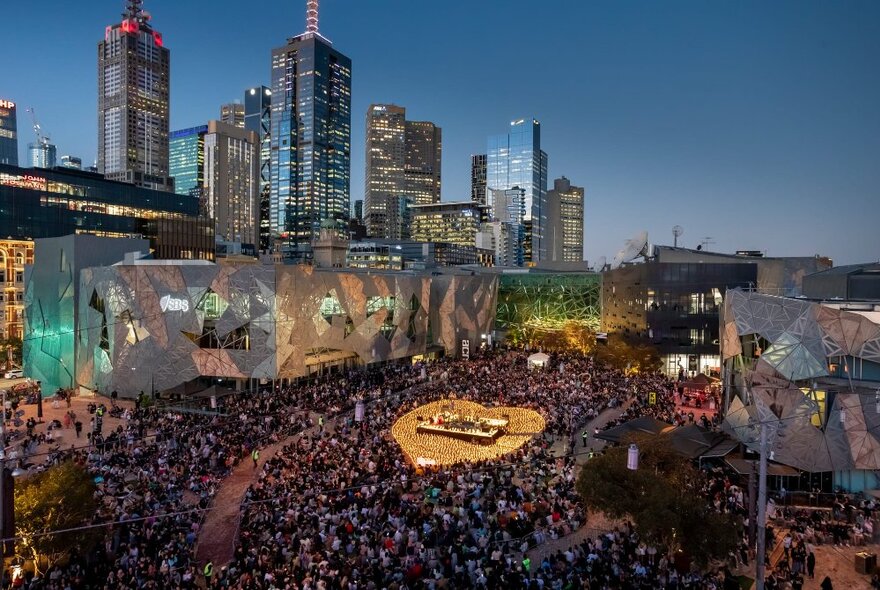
x,y
145,324
539,301
808,372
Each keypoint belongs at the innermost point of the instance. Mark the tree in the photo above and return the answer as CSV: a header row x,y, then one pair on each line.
x,y
624,355
62,497
661,498
11,350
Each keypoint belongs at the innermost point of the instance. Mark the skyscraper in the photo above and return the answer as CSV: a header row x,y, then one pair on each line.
x,y
187,160
257,118
402,167
232,113
134,70
516,159
310,138
383,176
564,235
421,169
8,133
232,182
42,154
478,178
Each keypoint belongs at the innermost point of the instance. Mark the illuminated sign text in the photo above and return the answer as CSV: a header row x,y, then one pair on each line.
x,y
169,303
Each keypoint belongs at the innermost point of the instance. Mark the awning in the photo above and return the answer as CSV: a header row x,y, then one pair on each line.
x,y
641,425
745,467
721,449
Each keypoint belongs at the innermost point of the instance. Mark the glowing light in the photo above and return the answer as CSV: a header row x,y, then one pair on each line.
x,y
157,39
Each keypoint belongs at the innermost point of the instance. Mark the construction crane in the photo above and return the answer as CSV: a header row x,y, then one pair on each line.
x,y
43,140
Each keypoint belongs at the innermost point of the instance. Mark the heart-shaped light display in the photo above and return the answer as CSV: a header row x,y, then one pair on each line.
x,y
439,449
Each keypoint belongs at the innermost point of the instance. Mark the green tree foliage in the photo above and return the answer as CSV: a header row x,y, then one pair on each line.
x,y
661,498
11,351
62,497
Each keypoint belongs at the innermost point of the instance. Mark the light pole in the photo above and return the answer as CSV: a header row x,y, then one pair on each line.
x,y
762,510
18,471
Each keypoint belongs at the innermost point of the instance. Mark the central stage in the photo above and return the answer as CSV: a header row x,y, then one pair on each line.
x,y
454,431
470,428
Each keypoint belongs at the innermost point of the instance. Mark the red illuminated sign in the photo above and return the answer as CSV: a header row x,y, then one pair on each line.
x,y
6,104
130,26
24,181
157,39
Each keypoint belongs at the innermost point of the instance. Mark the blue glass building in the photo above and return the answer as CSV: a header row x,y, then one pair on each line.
x,y
310,141
257,118
186,161
517,160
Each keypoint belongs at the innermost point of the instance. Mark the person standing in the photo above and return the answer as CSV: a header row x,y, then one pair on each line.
x,y
811,565
826,584
584,436
255,456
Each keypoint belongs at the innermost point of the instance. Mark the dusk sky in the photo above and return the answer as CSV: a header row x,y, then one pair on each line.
x,y
754,123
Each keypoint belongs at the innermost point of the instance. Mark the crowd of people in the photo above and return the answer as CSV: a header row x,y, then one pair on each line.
x,y
339,507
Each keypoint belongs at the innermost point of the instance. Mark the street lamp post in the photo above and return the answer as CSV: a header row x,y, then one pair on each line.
x,y
762,510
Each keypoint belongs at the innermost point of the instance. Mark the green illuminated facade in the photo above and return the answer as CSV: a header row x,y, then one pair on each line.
x,y
546,300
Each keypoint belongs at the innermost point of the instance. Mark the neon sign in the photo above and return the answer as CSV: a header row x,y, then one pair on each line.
x,y
169,303
6,104
24,181
130,26
157,39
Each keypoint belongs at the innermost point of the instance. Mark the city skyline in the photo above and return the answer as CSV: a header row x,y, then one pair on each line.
x,y
743,122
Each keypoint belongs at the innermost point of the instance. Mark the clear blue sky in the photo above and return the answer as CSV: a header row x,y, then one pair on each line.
x,y
756,123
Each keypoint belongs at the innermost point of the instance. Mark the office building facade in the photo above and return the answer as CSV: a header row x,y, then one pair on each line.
x,y
134,76
72,162
384,173
232,182
8,132
517,160
421,171
187,160
59,202
258,118
232,114
452,222
42,154
478,179
565,222
310,140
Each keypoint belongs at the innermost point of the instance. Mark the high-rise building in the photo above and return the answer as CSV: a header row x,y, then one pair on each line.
x,y
232,114
402,166
187,160
257,118
74,162
134,70
478,178
516,159
232,182
455,223
564,235
508,208
42,154
359,210
8,133
385,160
421,169
310,138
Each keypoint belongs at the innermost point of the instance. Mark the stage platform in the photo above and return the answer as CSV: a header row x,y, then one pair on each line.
x,y
467,428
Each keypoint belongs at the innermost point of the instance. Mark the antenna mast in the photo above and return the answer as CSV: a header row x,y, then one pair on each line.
x,y
311,15
676,232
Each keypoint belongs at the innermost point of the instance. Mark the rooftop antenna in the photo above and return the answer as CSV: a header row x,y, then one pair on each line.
x,y
706,241
133,9
311,16
676,232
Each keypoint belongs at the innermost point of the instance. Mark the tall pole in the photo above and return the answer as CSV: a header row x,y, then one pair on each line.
x,y
762,510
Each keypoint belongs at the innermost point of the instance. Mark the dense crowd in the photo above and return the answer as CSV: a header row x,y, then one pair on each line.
x,y
340,508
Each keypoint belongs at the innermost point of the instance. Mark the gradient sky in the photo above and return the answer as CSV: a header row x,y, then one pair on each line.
x,y
756,123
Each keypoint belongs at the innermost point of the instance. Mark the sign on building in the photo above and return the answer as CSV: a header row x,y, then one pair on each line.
x,y
465,349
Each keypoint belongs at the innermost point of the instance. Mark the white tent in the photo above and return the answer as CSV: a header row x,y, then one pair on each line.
x,y
539,359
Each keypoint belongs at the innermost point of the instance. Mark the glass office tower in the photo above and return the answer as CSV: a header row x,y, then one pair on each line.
x,y
187,160
310,141
517,160
134,85
8,133
257,118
